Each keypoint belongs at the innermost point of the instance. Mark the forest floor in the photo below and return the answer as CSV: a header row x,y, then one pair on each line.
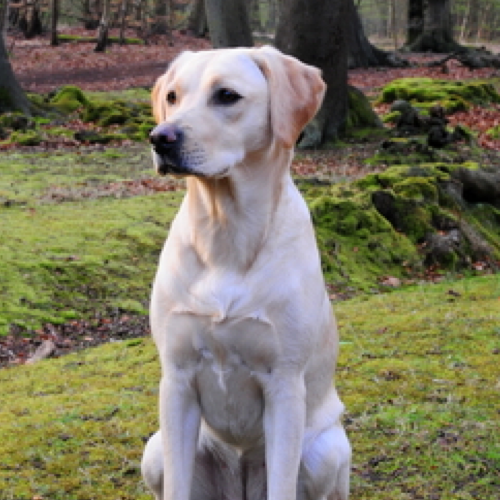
x,y
418,367
41,68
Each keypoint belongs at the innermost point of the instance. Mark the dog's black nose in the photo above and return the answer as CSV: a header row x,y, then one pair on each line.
x,y
165,137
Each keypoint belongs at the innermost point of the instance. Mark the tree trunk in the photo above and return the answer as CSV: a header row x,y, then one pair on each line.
x,y
90,21
437,34
315,32
361,53
228,23
12,96
123,20
160,25
102,36
415,20
30,22
465,21
54,9
4,16
197,23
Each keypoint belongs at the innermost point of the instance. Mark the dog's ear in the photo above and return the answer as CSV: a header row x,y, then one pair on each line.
x,y
159,91
296,92
157,98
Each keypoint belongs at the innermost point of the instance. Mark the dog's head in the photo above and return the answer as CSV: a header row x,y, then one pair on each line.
x,y
216,108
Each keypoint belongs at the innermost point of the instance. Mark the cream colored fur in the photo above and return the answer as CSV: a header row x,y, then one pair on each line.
x,y
239,313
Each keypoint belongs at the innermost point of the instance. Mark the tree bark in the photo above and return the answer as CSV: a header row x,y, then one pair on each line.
x,y
361,53
54,9
12,96
102,36
228,23
29,21
123,20
315,31
160,25
415,21
4,15
437,33
197,22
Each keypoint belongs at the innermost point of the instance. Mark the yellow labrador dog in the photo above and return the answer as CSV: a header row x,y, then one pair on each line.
x,y
239,313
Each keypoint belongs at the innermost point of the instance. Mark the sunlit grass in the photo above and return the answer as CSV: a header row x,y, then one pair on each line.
x,y
418,372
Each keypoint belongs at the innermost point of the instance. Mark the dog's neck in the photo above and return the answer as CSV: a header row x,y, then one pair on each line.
x,y
231,217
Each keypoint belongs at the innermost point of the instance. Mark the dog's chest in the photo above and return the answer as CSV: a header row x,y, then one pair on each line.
x,y
228,362
195,342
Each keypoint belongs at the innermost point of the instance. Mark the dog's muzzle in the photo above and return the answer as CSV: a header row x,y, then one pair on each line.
x,y
166,140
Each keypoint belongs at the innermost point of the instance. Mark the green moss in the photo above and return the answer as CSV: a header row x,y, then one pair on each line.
x,y
417,371
135,116
130,110
83,256
412,356
357,244
427,92
115,117
89,253
494,132
88,39
16,121
360,113
27,138
391,117
376,226
69,99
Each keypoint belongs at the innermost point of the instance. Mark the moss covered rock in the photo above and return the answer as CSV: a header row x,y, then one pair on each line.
x,y
16,121
357,244
402,220
116,117
26,138
360,114
69,99
453,96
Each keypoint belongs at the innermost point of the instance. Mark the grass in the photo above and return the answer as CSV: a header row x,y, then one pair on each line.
x,y
63,260
418,373
418,369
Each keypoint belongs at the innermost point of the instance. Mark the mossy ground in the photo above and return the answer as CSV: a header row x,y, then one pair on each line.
x,y
358,246
65,260
418,372
87,117
452,96
70,248
418,368
361,243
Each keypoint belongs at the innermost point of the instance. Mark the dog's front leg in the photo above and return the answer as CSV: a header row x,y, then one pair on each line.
x,y
180,424
284,422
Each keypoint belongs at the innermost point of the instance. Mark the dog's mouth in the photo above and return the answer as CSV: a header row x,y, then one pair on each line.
x,y
166,165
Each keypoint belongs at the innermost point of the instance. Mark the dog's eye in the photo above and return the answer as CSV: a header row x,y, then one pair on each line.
x,y
226,97
171,98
